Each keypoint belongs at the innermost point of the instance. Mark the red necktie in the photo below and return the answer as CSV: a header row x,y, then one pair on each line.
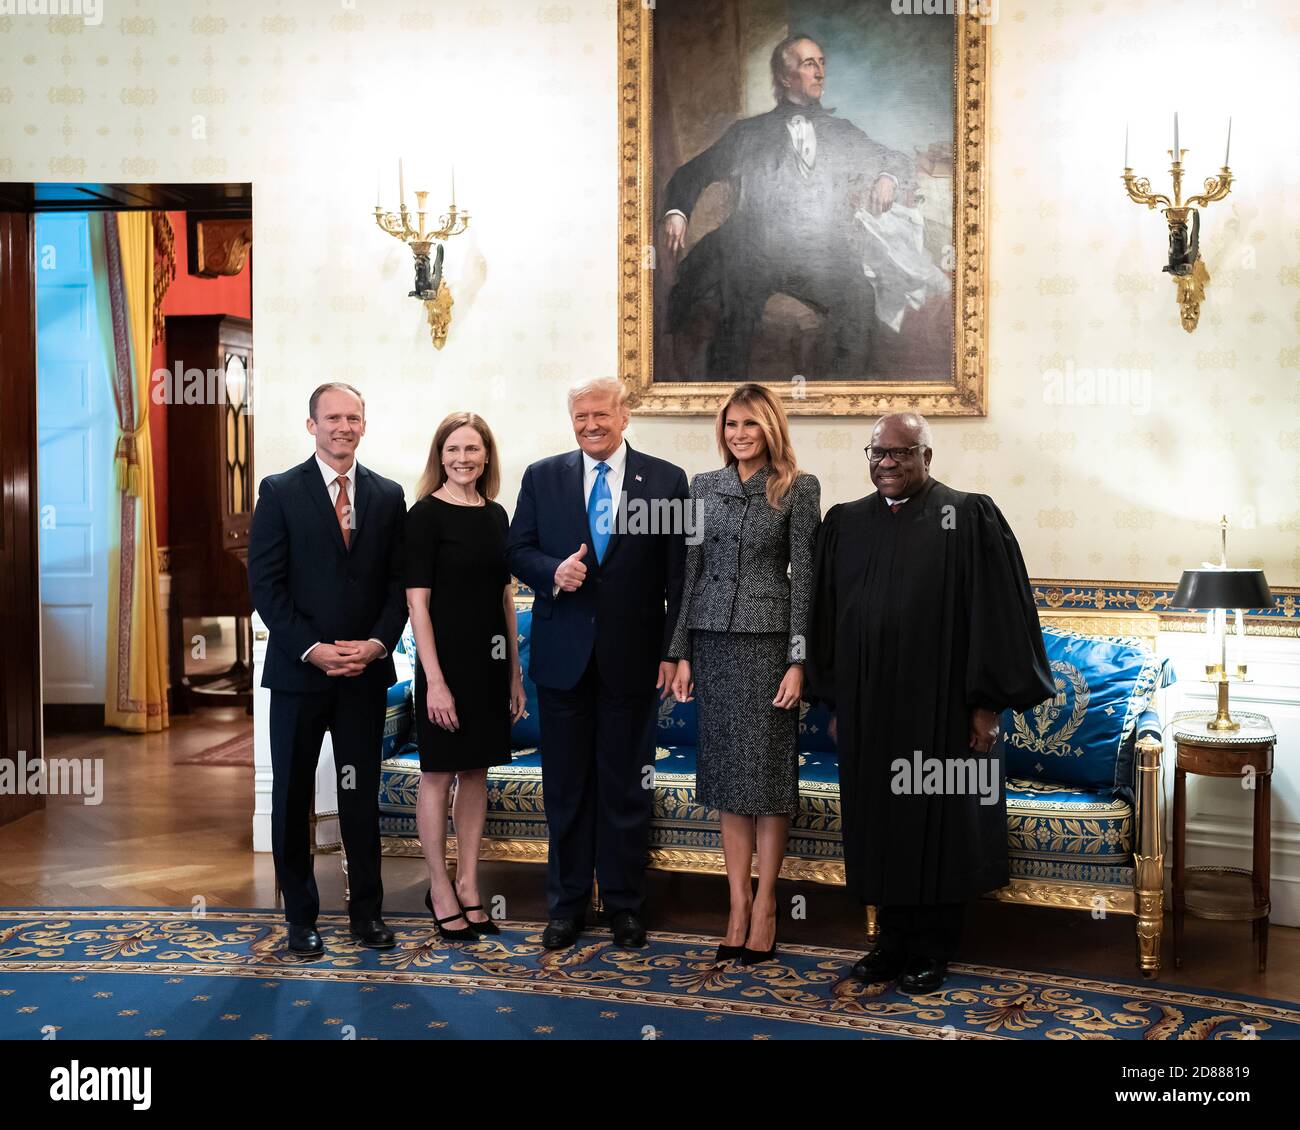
x,y
342,510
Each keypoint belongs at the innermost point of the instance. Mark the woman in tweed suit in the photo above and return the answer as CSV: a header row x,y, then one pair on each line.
x,y
741,643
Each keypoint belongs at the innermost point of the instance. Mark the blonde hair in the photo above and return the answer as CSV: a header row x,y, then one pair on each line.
x,y
767,410
435,474
600,386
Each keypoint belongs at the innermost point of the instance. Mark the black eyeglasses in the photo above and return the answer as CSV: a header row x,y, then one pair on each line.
x,y
897,454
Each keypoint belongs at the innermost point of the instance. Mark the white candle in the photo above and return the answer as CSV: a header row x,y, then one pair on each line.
x,y
1228,146
1240,630
453,186
379,191
1177,152
1126,145
401,185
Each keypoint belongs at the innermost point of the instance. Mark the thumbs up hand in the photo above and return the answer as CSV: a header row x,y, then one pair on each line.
x,y
572,572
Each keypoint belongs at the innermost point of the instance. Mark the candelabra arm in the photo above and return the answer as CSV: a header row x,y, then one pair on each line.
x,y
1139,191
1216,188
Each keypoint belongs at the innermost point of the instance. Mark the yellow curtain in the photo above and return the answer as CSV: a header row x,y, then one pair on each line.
x,y
136,696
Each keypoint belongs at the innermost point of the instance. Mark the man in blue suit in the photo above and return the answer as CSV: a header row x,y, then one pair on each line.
x,y
608,585
324,569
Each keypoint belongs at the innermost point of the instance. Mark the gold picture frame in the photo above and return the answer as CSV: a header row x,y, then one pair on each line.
x,y
964,394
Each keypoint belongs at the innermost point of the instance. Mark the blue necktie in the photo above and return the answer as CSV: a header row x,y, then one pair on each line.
x,y
600,512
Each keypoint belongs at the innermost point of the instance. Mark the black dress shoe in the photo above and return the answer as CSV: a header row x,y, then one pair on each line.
x,y
373,934
561,933
628,929
727,953
304,940
879,965
923,975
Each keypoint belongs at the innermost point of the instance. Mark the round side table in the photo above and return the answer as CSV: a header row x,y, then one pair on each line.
x,y
1224,893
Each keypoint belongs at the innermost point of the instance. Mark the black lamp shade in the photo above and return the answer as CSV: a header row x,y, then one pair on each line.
x,y
1222,588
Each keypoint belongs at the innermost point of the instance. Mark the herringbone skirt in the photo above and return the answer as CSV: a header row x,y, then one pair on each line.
x,y
747,761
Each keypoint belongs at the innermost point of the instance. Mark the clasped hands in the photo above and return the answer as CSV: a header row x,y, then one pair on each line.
x,y
344,658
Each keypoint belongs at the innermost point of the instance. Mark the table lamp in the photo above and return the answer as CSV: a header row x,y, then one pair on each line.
x,y
1221,587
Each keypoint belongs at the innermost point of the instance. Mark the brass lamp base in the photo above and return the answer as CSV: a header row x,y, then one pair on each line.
x,y
1223,721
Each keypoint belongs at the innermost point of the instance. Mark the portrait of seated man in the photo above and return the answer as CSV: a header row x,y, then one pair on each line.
x,y
792,241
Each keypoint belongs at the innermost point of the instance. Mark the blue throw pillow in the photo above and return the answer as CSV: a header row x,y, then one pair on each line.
x,y
526,733
1083,735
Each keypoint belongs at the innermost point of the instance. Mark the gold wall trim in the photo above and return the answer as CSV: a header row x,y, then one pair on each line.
x,y
1127,598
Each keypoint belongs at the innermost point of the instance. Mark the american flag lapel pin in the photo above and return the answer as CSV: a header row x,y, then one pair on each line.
x,y
638,478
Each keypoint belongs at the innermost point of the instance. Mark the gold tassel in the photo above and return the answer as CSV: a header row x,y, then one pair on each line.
x,y
126,465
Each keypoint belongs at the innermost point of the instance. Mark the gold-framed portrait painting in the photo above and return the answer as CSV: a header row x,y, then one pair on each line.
x,y
802,203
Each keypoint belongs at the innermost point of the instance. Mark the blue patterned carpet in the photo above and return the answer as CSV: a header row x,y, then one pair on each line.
x,y
164,974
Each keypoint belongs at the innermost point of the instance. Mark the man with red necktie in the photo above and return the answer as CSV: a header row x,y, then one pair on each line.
x,y
324,571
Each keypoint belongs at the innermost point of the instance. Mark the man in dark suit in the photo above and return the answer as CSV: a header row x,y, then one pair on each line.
x,y
797,174
608,585
325,574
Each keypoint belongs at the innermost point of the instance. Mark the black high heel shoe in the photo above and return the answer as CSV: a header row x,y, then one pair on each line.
x,y
480,928
468,934
730,953
756,957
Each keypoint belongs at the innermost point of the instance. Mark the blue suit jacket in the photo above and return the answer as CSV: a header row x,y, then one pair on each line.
x,y
310,588
625,610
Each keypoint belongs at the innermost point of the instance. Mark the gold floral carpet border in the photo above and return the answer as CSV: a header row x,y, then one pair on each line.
x,y
166,973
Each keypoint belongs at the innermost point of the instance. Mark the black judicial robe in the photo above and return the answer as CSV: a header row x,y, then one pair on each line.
x,y
918,617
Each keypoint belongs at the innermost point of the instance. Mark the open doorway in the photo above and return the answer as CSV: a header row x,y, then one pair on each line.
x,y
73,446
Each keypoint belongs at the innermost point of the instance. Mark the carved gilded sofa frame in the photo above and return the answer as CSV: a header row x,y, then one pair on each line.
x,y
1144,899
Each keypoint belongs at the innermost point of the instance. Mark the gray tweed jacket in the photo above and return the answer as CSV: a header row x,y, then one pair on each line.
x,y
751,570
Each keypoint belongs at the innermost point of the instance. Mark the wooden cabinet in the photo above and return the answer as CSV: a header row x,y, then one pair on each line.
x,y
210,496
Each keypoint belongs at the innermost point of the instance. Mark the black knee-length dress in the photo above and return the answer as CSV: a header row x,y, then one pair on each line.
x,y
459,553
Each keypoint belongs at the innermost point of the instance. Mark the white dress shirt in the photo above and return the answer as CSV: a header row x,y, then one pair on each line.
x,y
330,476
617,464
804,139
331,484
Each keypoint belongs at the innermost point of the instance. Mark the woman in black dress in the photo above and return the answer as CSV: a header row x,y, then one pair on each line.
x,y
468,684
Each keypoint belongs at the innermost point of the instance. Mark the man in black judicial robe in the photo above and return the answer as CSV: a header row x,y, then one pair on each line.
x,y
923,631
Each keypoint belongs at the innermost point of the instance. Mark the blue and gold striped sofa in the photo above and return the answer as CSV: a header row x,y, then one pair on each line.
x,y
1070,845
